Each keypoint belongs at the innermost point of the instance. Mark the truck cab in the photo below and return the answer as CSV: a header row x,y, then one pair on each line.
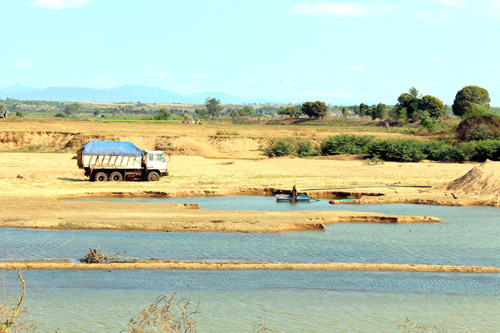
x,y
155,160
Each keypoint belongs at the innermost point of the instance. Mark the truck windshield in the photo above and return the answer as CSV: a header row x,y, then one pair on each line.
x,y
160,157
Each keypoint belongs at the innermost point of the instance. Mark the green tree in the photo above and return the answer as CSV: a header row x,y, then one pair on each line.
x,y
363,110
73,108
202,113
163,114
19,114
378,112
469,96
289,111
97,113
433,105
3,110
213,107
314,110
410,103
414,92
61,115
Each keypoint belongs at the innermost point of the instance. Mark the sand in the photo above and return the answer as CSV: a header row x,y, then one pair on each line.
x,y
33,184
159,264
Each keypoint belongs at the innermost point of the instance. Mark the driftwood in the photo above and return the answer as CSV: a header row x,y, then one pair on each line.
x,y
95,256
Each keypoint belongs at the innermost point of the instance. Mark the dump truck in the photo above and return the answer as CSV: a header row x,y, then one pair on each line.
x,y
120,160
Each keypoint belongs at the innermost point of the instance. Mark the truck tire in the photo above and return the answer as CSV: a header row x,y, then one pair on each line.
x,y
100,177
153,176
116,176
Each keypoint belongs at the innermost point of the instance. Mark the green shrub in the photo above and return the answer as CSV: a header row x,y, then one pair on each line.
x,y
61,115
479,126
279,147
305,148
481,151
345,144
397,150
440,151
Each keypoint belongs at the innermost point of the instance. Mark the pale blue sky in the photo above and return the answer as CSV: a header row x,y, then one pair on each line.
x,y
282,50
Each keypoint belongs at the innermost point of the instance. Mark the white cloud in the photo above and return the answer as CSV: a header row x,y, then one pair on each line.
x,y
453,3
203,76
287,83
424,14
156,74
488,64
59,4
354,68
23,63
436,59
491,8
341,9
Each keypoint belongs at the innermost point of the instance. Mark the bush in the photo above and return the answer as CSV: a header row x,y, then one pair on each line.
x,y
479,126
305,148
397,150
286,147
279,147
481,151
440,151
345,144
61,115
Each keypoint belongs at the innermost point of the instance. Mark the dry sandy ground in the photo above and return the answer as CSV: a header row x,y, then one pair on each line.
x,y
31,184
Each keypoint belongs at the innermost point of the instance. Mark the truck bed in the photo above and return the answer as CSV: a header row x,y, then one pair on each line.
x,y
109,161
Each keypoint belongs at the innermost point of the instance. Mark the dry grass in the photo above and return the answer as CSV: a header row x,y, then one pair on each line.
x,y
167,313
11,311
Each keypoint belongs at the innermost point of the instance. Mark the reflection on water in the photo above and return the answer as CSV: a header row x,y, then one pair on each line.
x,y
468,236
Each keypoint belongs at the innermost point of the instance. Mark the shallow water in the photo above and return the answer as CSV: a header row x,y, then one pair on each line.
x,y
313,301
468,236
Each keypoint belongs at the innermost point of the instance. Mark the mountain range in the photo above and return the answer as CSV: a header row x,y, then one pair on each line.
x,y
126,93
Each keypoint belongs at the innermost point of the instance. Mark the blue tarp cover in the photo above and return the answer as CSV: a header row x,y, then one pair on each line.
x,y
120,148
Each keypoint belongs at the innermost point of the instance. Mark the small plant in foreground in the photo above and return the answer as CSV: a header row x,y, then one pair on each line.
x,y
167,314
11,312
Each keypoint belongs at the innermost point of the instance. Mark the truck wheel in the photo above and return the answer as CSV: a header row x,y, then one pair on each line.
x,y
100,177
153,176
116,176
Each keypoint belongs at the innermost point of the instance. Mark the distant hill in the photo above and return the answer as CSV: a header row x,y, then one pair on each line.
x,y
127,93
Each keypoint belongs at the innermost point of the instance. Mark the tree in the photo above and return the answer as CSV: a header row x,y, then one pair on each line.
x,y
414,92
410,103
433,105
363,110
378,111
314,110
213,107
19,114
97,113
163,114
467,97
202,113
3,110
73,108
289,111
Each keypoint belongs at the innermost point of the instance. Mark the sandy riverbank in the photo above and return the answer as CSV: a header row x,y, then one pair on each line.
x,y
159,264
33,183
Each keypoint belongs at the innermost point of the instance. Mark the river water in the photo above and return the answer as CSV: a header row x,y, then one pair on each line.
x,y
311,301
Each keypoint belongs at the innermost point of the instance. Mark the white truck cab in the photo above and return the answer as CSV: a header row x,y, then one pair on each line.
x,y
155,160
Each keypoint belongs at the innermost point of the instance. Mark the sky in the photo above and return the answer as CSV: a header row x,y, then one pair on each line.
x,y
345,53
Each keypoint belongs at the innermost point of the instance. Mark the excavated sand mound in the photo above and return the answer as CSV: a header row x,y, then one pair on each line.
x,y
482,180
